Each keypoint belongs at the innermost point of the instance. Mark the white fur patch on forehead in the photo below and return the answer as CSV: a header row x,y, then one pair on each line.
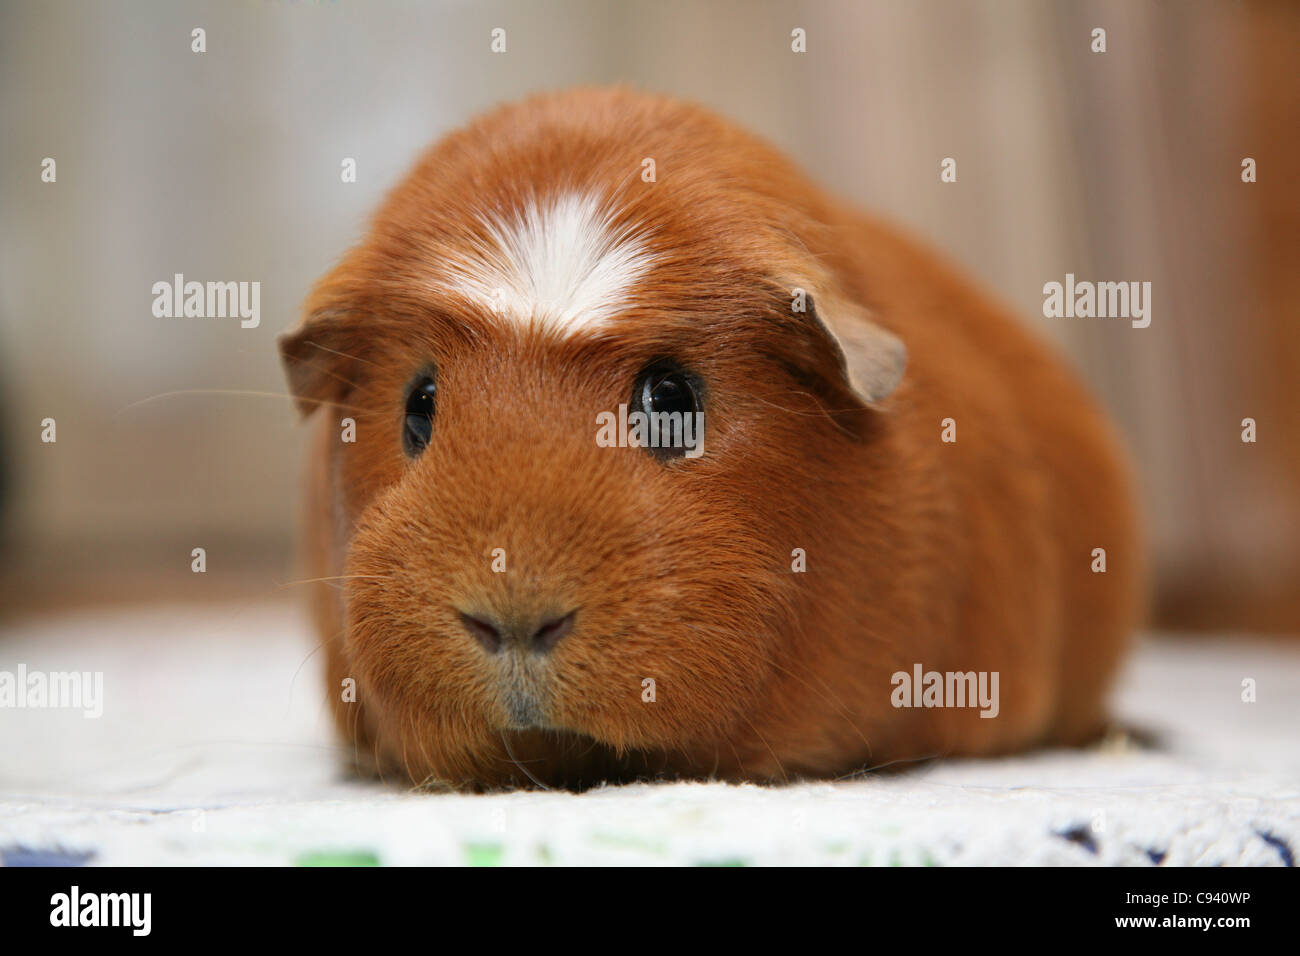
x,y
561,263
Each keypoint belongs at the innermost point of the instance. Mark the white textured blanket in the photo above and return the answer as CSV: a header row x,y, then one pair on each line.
x,y
213,748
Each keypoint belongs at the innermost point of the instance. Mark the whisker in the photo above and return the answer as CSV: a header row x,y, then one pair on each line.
x,y
862,772
379,764
228,391
819,412
201,391
505,742
310,654
334,577
780,766
331,373
828,696
419,740
830,699
355,358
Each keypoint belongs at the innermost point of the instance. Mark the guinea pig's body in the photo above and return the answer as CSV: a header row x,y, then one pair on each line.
x,y
895,478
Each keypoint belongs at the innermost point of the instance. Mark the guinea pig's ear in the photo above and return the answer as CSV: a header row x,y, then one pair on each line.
x,y
874,358
868,358
320,360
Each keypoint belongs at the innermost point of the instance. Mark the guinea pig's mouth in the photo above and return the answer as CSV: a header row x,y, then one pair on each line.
x,y
524,696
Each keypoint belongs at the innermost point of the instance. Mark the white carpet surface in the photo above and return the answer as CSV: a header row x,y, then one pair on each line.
x,y
214,748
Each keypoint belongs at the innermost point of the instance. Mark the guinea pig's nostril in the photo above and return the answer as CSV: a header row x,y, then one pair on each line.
x,y
523,631
552,632
487,634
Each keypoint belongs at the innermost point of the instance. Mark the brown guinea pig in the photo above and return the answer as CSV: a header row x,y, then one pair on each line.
x,y
870,533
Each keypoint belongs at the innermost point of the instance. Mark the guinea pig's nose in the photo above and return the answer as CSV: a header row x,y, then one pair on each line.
x,y
529,632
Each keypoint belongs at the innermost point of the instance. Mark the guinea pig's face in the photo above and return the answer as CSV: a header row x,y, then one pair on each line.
x,y
523,579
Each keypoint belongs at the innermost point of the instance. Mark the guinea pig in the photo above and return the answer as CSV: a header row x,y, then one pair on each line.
x,y
881,521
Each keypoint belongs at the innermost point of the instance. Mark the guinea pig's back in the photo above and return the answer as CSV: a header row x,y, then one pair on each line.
x,y
963,346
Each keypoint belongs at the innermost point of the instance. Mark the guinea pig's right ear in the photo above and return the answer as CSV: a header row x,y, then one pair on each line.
x,y
320,360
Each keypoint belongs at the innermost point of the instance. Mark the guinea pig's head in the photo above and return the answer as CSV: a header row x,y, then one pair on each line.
x,y
530,581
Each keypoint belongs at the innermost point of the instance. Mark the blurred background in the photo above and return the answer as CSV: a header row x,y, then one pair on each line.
x,y
225,165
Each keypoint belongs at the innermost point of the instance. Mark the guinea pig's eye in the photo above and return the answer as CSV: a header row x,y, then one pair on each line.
x,y
666,389
417,426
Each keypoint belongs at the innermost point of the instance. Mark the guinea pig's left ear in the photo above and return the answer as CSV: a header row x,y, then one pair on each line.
x,y
871,358
319,359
